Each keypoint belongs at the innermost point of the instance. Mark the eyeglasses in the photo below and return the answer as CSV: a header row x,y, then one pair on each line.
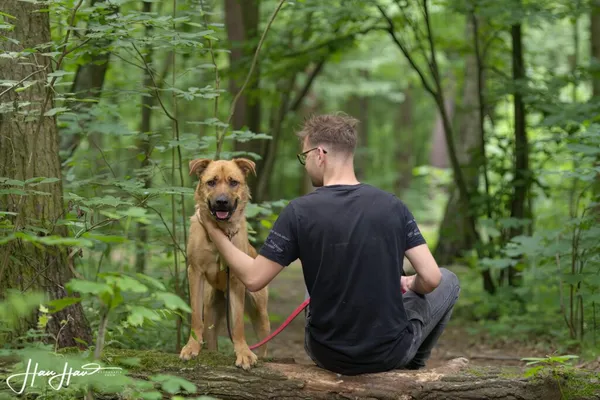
x,y
302,156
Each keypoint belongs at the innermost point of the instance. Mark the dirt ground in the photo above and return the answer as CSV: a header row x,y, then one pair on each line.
x,y
287,292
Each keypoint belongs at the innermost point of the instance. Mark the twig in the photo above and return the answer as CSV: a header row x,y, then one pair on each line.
x,y
328,43
22,80
392,31
302,94
239,93
103,157
560,292
217,79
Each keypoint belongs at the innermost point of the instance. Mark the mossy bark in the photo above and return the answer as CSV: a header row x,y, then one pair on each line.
x,y
215,375
29,148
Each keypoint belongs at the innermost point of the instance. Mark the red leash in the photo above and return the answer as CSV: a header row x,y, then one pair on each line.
x,y
282,326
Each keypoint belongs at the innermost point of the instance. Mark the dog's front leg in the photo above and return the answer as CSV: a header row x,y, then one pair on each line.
x,y
245,358
196,281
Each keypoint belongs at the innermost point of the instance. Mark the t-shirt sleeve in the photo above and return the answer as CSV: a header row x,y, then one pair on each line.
x,y
413,234
281,245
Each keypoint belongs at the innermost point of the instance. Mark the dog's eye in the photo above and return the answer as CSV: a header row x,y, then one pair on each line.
x,y
233,183
211,183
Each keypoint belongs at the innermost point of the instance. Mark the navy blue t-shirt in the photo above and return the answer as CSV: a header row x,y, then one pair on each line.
x,y
351,241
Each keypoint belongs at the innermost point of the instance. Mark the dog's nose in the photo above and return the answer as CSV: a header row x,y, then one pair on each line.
x,y
222,201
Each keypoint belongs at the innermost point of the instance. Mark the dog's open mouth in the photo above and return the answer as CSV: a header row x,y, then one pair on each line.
x,y
222,212
222,215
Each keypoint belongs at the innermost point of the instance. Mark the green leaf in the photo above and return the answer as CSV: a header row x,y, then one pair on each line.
x,y
89,287
174,384
56,110
139,313
125,283
40,180
105,238
151,281
60,304
172,301
266,223
7,15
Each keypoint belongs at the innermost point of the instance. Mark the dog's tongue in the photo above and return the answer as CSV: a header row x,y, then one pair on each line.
x,y
222,214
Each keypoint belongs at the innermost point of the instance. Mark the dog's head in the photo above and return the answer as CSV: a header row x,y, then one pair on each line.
x,y
222,189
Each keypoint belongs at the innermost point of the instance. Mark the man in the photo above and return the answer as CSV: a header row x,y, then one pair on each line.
x,y
351,239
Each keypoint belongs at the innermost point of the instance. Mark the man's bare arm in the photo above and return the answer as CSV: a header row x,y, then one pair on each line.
x,y
428,275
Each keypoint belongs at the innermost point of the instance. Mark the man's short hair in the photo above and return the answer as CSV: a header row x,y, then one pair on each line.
x,y
336,130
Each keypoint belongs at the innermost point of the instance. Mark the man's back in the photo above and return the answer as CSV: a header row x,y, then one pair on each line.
x,y
351,241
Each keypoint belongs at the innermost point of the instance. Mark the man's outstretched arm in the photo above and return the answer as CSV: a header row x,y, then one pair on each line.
x,y
255,273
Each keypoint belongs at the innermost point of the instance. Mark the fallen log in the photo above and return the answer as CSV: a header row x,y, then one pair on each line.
x,y
215,375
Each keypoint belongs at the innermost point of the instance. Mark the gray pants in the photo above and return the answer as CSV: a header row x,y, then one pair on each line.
x,y
428,315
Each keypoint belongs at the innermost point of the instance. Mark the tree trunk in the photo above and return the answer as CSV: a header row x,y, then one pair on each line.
x,y
143,144
88,83
522,178
359,108
241,21
29,147
454,237
404,149
438,156
215,376
595,69
595,47
454,229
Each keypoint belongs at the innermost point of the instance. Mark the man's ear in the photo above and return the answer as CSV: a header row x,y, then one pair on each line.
x,y
246,165
198,166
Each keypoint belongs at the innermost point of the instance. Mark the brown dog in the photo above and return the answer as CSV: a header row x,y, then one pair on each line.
x,y
222,194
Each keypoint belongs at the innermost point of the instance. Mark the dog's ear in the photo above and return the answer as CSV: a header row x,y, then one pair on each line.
x,y
246,165
198,166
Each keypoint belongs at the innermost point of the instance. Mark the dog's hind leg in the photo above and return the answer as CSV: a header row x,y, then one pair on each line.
x,y
214,310
257,310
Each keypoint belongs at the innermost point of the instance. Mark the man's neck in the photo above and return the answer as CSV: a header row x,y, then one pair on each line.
x,y
343,175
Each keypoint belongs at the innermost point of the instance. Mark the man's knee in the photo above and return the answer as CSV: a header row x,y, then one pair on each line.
x,y
449,278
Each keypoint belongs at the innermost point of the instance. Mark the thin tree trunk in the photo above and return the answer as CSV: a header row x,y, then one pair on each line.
x,y
288,106
595,60
29,147
241,21
88,84
404,149
359,106
438,156
521,182
143,144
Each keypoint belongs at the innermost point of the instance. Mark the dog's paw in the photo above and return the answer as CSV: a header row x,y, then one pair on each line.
x,y
245,359
190,350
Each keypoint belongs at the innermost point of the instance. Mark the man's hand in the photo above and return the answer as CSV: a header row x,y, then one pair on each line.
x,y
211,227
406,283
428,275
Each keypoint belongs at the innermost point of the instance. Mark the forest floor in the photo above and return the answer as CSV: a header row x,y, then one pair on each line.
x,y
287,292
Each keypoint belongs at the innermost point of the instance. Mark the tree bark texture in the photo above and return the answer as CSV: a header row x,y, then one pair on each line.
x,y
143,143
454,235
288,380
404,144
241,22
29,147
595,68
522,178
